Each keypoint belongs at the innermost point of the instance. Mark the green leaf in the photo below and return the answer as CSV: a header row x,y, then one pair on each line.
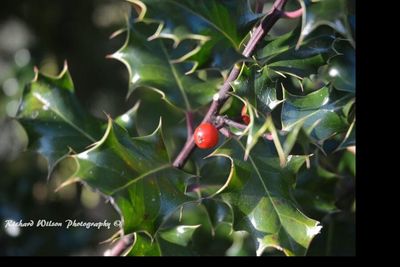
x,y
312,83
136,174
128,120
219,212
179,235
152,64
239,245
315,189
348,162
341,69
213,173
313,100
333,13
54,120
145,245
260,193
222,25
152,107
280,53
258,125
350,137
258,86
291,139
320,113
348,108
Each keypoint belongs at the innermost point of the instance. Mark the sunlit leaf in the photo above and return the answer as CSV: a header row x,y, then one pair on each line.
x,y
220,24
136,174
341,68
260,193
259,87
321,115
333,13
152,64
54,120
280,53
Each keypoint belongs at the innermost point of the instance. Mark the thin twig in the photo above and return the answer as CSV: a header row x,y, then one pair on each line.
x,y
265,26
230,122
189,124
122,245
293,14
237,125
225,132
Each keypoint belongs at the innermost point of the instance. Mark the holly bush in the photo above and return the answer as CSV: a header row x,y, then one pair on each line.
x,y
282,173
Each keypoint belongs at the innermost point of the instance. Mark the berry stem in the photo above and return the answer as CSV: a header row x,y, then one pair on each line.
x,y
230,122
225,132
237,125
258,34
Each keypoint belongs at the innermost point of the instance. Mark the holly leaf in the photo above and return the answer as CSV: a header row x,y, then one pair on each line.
x,y
349,138
333,13
341,68
319,111
128,120
221,25
281,54
258,86
136,175
168,242
152,107
183,233
152,64
260,193
315,190
219,213
54,120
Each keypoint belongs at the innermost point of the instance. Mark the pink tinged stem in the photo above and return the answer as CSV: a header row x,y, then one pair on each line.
x,y
293,14
225,132
122,245
189,124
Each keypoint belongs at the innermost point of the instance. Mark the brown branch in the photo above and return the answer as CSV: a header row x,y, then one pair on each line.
x,y
122,245
258,34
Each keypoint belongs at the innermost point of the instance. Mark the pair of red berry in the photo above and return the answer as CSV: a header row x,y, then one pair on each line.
x,y
206,135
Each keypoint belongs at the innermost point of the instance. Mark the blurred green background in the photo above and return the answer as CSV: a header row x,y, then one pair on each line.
x,y
44,33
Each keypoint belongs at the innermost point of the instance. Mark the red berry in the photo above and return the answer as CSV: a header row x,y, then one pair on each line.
x,y
245,117
206,136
